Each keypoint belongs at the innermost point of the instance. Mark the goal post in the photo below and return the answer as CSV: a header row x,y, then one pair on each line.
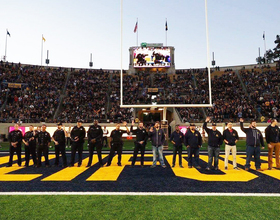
x,y
196,105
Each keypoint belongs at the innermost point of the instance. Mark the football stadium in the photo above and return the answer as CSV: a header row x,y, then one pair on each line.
x,y
139,110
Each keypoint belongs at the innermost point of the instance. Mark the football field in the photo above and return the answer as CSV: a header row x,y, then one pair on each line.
x,y
138,207
139,192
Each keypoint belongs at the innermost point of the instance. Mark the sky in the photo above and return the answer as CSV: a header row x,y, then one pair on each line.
x,y
75,29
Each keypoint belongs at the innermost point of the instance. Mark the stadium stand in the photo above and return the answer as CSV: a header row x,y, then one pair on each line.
x,y
117,114
263,89
85,97
34,94
230,101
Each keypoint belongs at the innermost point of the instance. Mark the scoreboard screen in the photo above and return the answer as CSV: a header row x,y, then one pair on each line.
x,y
151,57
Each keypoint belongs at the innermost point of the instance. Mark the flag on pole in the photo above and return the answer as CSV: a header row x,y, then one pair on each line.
x,y
136,27
166,27
43,39
263,35
8,33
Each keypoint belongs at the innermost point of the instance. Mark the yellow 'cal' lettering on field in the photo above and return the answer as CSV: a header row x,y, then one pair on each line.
x,y
272,173
193,173
5,176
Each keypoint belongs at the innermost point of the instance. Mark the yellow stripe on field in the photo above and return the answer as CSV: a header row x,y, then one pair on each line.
x,y
71,173
5,159
112,172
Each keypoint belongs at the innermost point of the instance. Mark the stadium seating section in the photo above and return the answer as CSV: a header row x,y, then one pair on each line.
x,y
34,94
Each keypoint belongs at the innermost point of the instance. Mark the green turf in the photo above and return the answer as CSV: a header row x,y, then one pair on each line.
x,y
129,145
138,207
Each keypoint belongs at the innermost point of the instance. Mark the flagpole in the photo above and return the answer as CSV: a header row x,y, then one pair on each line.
x,y
165,33
42,51
137,34
6,46
259,58
264,41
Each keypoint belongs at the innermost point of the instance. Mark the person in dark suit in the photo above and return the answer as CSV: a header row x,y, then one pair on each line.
x,y
95,135
254,139
140,142
77,135
116,143
44,140
215,140
59,142
193,141
29,141
177,139
15,139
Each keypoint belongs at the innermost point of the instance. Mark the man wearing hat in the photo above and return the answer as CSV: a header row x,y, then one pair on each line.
x,y
215,140
177,139
193,141
77,135
95,135
59,142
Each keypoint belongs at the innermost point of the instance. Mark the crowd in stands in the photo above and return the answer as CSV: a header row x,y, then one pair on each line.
x,y
85,96
230,101
35,94
172,89
115,113
3,92
263,89
135,88
194,91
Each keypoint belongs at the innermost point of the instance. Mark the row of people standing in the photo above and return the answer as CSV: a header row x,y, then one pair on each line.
x,y
192,139
254,142
37,143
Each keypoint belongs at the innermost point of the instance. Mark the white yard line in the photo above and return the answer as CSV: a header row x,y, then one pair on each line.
x,y
145,194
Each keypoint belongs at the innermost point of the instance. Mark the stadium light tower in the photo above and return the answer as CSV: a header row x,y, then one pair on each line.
x,y
47,60
90,61
213,60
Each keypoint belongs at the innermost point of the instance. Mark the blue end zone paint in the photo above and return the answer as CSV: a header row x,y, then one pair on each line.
x,y
139,179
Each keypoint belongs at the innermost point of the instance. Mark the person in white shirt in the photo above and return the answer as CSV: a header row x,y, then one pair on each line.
x,y
105,135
